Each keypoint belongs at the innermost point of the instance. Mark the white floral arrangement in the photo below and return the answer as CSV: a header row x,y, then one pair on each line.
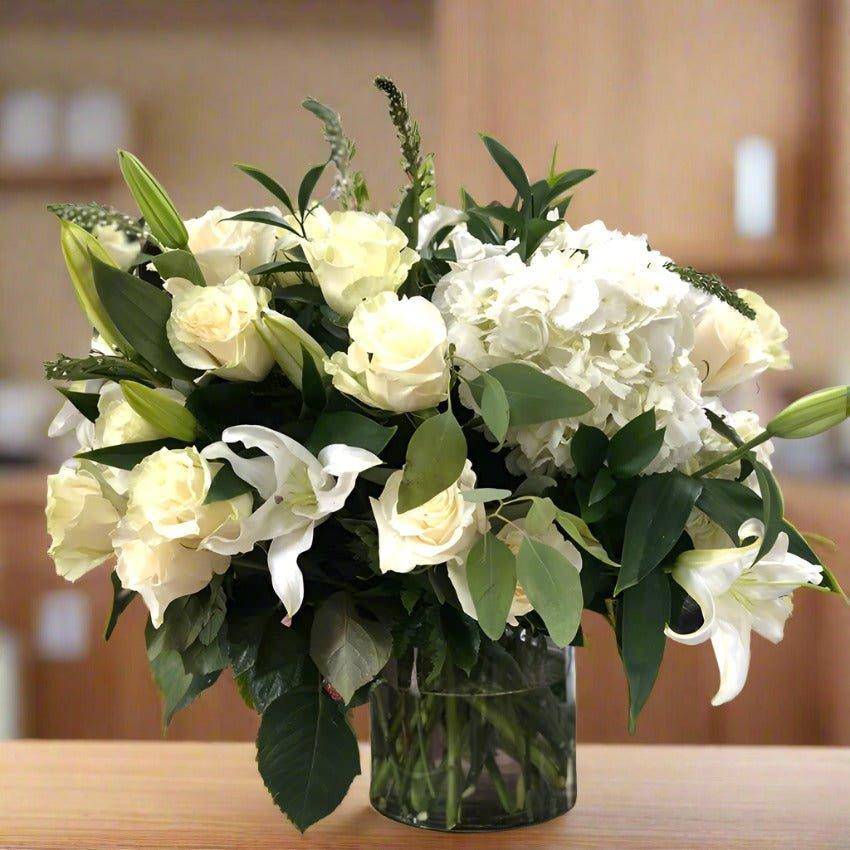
x,y
311,440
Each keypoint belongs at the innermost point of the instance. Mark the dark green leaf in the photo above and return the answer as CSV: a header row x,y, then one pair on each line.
x,y
404,215
435,459
283,664
509,165
719,424
307,755
774,507
126,456
268,183
603,484
512,217
588,447
656,520
352,429
635,445
312,384
491,574
140,311
121,598
308,184
462,637
263,217
565,181
179,263
172,680
553,587
306,292
226,484
86,403
348,649
536,230
281,266
646,611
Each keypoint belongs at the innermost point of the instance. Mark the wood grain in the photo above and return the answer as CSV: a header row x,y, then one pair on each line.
x,y
105,796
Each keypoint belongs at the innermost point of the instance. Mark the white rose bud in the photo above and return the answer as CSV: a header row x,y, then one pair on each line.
x,y
397,357
161,542
80,520
358,255
118,245
223,247
729,348
443,529
212,327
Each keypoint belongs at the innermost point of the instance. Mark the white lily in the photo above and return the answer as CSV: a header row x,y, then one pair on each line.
x,y
737,596
300,491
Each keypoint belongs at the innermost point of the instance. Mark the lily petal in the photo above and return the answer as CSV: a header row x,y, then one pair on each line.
x,y
287,580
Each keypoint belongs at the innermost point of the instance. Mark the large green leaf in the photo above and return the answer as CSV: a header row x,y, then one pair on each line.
x,y
226,484
307,755
588,448
553,587
435,458
509,165
127,455
282,664
350,428
348,650
495,410
645,612
656,520
533,396
140,311
774,507
179,263
635,445
491,575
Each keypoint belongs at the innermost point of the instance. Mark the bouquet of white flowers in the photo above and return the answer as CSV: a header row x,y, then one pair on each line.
x,y
357,454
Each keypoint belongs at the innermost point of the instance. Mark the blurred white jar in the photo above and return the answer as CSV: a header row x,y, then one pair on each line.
x,y
29,126
97,123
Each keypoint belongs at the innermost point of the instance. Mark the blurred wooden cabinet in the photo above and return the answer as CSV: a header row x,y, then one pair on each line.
x,y
655,94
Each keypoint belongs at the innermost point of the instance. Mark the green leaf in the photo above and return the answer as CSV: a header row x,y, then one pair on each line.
x,y
485,494
86,403
281,266
579,532
635,445
509,165
306,292
462,637
263,217
352,429
656,520
512,217
282,664
312,384
172,680
541,515
588,448
534,397
308,184
166,415
307,755
494,407
491,575
645,612
774,507
348,650
267,183
140,312
565,181
127,455
553,587
179,263
121,598
226,484
435,459
603,484
536,230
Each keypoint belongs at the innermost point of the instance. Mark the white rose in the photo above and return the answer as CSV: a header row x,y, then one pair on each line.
x,y
117,423
212,327
316,225
123,250
223,247
397,357
512,536
443,529
729,348
80,520
161,542
359,255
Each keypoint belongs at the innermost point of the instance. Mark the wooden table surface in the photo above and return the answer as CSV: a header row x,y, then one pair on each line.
x,y
57,794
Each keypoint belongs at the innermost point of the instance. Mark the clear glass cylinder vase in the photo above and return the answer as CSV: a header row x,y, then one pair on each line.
x,y
491,749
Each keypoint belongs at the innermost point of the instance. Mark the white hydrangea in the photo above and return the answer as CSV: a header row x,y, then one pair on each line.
x,y
594,308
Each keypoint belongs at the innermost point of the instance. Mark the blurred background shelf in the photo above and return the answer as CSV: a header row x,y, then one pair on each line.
x,y
57,177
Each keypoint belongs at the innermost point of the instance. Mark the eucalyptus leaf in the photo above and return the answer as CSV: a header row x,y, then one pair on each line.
x,y
495,410
491,575
579,532
485,494
540,516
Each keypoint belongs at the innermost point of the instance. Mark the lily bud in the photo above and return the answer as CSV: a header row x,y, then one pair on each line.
x,y
160,215
78,247
812,414
288,341
166,415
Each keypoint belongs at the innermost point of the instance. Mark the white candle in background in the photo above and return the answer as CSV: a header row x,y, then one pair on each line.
x,y
29,123
97,123
755,188
10,686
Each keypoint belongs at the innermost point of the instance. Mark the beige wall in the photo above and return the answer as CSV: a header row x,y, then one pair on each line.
x,y
210,83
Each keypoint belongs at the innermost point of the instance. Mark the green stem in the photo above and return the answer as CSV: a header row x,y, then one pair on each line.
x,y
498,783
452,763
734,455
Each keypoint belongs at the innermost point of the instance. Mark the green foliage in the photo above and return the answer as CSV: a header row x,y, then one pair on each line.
x,y
353,429
267,183
96,367
127,455
179,263
85,403
89,216
307,754
656,520
491,574
435,458
635,445
166,415
226,484
121,598
588,448
348,649
713,285
495,408
140,312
